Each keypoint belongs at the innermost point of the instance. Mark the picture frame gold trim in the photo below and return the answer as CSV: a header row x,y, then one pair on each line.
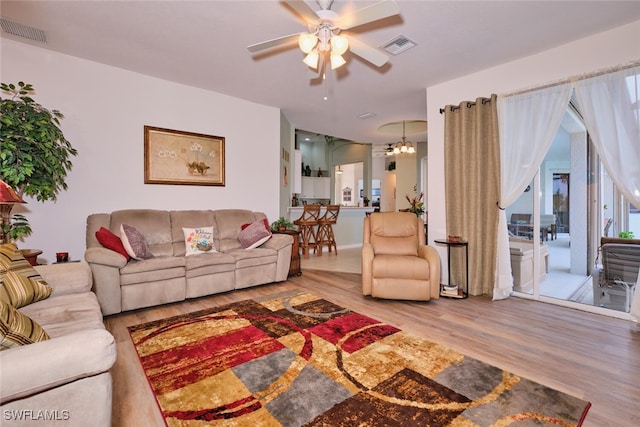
x,y
183,158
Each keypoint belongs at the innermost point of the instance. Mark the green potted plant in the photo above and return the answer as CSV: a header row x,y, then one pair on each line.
x,y
626,235
281,224
34,154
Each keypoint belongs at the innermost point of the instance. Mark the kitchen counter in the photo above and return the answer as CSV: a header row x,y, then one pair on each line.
x,y
348,229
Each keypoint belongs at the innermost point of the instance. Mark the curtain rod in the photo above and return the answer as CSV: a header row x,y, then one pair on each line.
x,y
469,105
577,77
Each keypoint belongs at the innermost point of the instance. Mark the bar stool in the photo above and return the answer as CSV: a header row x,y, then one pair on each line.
x,y
325,229
307,227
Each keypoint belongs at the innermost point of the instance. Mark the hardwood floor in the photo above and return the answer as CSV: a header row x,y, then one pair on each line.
x,y
593,357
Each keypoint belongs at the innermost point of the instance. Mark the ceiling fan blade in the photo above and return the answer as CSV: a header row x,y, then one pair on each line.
x,y
376,11
368,53
270,44
302,8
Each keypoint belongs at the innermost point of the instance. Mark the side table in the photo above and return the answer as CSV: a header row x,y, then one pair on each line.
x,y
461,292
295,267
31,255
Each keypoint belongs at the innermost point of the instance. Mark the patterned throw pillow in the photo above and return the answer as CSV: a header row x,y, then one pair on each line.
x,y
20,282
198,240
17,329
135,243
254,235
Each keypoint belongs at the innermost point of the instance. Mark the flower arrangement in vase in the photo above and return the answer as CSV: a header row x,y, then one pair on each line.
x,y
416,205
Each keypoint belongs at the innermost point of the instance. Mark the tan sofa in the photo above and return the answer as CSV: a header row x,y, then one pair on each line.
x,y
171,276
65,380
396,261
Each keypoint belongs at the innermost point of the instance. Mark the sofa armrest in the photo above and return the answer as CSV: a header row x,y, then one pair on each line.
x,y
67,278
47,364
104,256
278,241
283,245
105,266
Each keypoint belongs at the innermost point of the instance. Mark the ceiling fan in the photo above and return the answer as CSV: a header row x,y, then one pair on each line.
x,y
324,38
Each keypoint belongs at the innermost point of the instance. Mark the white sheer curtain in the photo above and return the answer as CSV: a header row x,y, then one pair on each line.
x,y
527,122
610,105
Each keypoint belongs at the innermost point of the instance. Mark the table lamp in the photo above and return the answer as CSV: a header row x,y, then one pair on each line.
x,y
8,198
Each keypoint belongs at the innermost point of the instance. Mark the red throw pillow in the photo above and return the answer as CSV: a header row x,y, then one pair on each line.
x,y
111,241
264,220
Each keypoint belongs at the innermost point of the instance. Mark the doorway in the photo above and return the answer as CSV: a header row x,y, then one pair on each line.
x,y
561,201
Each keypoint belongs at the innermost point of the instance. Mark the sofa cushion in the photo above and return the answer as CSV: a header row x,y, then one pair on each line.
x,y
198,240
151,270
189,219
28,286
135,243
254,235
229,224
153,224
17,329
111,241
211,263
66,314
259,256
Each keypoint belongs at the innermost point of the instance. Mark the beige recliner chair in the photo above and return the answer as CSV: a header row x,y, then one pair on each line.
x,y
396,262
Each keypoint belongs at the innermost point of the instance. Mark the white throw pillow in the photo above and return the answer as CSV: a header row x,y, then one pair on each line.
x,y
198,240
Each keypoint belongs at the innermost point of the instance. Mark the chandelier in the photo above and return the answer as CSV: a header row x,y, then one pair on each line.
x,y
326,41
403,146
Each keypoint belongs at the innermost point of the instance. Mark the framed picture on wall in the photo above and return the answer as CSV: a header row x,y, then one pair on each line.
x,y
346,194
182,158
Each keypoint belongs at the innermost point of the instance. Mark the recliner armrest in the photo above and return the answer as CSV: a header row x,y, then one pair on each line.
x,y
433,258
367,274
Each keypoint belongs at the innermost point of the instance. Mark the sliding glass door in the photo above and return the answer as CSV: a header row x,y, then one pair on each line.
x,y
550,245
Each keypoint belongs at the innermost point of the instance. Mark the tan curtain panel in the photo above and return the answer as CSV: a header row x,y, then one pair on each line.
x,y
472,176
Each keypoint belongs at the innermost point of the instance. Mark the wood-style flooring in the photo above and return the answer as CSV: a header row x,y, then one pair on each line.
x,y
593,357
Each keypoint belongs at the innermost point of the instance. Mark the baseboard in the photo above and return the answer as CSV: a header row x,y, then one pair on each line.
x,y
355,245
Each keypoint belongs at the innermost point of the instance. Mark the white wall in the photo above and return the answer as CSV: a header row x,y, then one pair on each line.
x,y
105,111
598,52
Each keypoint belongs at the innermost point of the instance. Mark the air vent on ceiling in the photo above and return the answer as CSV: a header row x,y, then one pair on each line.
x,y
398,45
22,30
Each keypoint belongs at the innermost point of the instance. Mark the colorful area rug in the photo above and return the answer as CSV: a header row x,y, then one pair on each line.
x,y
295,359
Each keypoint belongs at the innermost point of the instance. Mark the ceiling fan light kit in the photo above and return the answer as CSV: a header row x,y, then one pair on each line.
x,y
323,36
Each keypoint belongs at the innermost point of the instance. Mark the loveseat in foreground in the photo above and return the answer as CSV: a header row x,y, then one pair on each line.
x,y
62,379
171,275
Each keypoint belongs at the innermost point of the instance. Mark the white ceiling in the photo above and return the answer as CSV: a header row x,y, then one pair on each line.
x,y
203,44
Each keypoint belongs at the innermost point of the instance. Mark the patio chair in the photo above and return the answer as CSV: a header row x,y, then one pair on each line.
x,y
614,283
